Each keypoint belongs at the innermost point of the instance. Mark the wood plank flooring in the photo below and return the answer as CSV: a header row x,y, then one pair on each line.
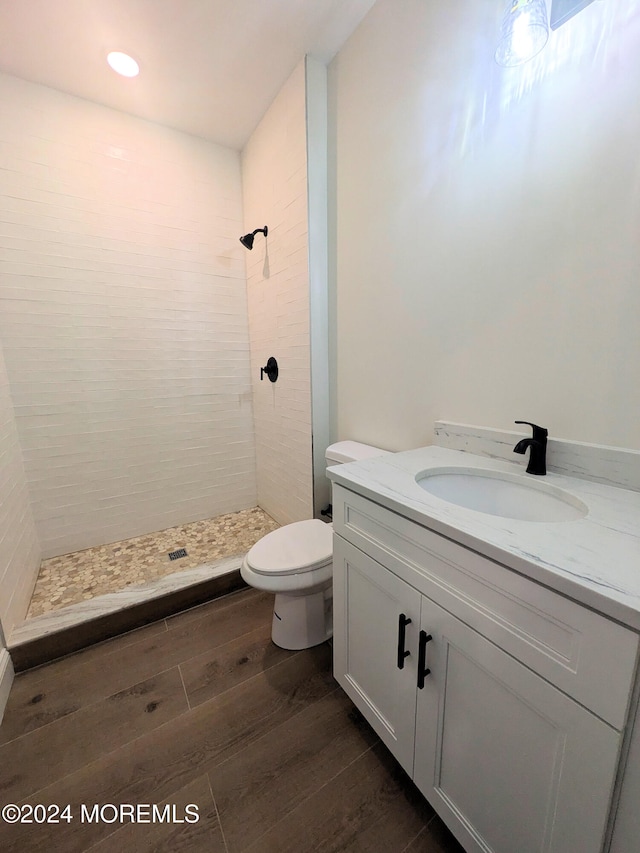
x,y
202,709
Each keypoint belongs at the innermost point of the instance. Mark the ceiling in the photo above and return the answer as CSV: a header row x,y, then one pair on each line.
x,y
207,67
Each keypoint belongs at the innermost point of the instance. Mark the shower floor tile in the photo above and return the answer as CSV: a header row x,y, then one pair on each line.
x,y
77,577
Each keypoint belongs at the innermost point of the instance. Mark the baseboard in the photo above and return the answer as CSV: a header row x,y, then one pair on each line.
x,y
6,679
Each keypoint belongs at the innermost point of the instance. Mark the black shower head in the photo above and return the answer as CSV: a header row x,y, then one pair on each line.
x,y
247,239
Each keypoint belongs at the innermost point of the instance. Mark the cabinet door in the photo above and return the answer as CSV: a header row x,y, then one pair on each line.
x,y
509,762
369,603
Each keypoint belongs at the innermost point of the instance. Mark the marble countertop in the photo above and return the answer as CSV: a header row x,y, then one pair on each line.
x,y
594,560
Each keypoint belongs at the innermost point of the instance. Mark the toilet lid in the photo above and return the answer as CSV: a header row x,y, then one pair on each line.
x,y
301,546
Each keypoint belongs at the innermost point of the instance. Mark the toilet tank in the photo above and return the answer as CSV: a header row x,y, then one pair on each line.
x,y
350,451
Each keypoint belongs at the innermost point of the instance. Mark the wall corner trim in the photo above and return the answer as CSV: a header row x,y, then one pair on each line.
x,y
6,679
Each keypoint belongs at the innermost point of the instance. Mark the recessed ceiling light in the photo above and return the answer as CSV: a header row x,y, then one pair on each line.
x,y
123,64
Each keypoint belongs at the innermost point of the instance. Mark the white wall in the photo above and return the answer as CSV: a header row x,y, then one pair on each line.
x,y
19,548
274,173
123,318
319,343
487,225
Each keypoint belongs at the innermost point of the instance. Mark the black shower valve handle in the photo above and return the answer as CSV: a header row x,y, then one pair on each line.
x,y
271,369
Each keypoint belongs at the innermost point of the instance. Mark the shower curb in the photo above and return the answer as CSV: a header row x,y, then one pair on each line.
x,y
40,640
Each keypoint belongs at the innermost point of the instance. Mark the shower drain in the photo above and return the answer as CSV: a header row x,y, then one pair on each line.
x,y
175,555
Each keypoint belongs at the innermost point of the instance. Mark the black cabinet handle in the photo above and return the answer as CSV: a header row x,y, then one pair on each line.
x,y
403,621
423,670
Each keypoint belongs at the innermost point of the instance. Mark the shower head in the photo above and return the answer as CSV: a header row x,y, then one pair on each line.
x,y
247,239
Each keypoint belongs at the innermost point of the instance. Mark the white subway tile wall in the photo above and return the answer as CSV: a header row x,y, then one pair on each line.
x,y
19,548
274,174
123,314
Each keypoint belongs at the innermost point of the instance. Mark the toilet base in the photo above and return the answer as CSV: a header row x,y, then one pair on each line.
x,y
302,621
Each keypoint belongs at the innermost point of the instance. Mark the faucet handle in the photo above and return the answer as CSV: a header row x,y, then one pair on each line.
x,y
539,433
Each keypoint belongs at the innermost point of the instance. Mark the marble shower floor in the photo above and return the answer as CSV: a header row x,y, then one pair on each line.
x,y
84,575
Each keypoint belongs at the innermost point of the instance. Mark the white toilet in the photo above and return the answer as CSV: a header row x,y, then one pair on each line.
x,y
296,563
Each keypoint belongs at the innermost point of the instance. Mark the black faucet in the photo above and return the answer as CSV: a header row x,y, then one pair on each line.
x,y
538,444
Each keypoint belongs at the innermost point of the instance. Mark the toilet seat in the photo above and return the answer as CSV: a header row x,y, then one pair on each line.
x,y
302,546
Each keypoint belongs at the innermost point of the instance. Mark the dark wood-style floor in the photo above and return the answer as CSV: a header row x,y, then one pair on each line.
x,y
201,708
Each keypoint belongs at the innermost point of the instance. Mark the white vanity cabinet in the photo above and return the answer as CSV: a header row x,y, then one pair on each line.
x,y
496,694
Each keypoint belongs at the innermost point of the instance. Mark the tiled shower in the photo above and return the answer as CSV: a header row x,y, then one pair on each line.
x,y
72,579
133,332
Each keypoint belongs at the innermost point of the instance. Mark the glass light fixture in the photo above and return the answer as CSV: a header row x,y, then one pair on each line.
x,y
123,64
524,31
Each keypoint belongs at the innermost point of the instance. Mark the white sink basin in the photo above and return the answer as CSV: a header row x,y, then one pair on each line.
x,y
503,494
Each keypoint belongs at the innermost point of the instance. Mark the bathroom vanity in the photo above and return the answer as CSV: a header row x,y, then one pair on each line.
x,y
495,657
